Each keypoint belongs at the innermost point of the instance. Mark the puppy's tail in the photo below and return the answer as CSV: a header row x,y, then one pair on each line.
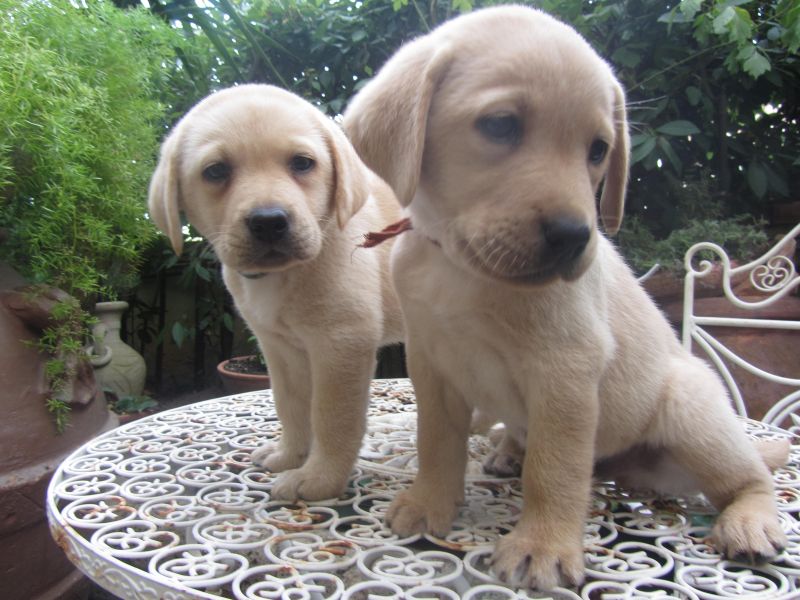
x,y
774,453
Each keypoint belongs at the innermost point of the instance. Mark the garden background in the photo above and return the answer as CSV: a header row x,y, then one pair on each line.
x,y
89,88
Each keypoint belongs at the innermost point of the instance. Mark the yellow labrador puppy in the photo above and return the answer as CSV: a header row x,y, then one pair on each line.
x,y
496,131
280,193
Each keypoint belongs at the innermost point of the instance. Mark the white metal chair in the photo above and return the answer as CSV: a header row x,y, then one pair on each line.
x,y
774,276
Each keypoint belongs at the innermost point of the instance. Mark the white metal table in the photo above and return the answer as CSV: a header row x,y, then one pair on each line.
x,y
170,507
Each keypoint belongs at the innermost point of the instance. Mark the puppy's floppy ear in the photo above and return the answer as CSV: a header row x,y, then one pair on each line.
x,y
164,197
612,201
350,181
387,120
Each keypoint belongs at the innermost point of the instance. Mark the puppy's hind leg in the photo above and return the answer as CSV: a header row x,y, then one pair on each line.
x,y
700,430
506,458
774,453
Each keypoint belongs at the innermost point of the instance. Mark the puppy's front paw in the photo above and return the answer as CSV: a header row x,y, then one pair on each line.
x,y
748,535
275,458
413,512
524,559
307,483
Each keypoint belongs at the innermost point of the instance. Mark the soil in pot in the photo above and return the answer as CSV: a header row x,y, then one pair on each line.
x,y
243,374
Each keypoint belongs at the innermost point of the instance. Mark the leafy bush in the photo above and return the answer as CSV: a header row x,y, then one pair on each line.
x,y
80,113
323,51
712,86
712,90
741,237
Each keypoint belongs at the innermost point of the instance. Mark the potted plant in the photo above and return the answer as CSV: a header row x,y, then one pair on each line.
x,y
131,408
80,132
742,238
242,374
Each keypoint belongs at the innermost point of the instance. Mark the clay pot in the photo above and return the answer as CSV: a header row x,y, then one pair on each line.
x,y
31,564
240,383
665,287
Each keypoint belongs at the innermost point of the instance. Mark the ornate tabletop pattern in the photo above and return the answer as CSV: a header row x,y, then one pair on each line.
x,y
170,507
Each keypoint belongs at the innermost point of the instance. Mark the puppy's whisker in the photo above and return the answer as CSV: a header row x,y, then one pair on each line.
x,y
496,246
501,260
214,236
638,103
485,246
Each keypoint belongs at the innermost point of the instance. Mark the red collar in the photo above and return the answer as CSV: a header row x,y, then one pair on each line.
x,y
373,238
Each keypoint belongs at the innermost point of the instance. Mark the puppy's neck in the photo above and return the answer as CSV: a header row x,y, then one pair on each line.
x,y
427,223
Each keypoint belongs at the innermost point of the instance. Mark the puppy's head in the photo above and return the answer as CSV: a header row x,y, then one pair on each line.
x,y
261,174
498,129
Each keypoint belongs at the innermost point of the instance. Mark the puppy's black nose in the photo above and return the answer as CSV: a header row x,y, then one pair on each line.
x,y
566,238
268,224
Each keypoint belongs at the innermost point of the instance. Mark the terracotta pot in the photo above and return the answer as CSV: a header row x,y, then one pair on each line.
x,y
240,383
31,564
665,287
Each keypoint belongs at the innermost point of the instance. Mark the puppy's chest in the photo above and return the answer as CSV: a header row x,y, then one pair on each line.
x,y
485,349
500,347
267,305
488,375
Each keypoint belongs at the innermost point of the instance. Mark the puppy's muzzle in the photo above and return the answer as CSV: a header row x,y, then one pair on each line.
x,y
565,239
268,225
270,245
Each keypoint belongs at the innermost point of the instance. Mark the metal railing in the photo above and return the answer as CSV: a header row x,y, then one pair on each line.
x,y
772,276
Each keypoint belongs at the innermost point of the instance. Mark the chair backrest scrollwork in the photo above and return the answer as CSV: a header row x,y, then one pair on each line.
x,y
770,278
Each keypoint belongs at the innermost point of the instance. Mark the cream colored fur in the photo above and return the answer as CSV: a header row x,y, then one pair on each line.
x,y
571,355
319,307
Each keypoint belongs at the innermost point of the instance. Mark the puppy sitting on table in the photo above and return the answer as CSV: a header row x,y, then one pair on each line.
x,y
496,131
280,194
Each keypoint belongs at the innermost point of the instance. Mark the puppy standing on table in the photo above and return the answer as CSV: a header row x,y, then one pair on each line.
x,y
496,131
283,198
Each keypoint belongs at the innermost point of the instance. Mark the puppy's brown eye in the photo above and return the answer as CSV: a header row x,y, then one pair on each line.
x,y
301,164
217,173
598,151
501,128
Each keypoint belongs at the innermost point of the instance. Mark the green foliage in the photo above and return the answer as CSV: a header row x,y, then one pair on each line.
x,y
712,86
201,272
62,344
741,237
703,218
79,110
133,404
323,51
753,37
253,341
713,95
